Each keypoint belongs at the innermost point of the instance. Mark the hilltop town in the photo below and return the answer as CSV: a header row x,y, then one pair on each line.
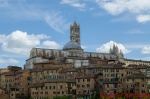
x,y
72,72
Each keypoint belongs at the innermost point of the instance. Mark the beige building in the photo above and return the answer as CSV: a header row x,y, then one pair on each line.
x,y
85,86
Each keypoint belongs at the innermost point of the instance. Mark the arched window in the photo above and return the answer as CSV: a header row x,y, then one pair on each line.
x,y
32,54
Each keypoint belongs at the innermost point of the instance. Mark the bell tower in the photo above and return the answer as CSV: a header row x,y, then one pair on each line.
x,y
75,32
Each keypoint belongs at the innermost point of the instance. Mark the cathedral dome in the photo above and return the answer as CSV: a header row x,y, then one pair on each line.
x,y
72,45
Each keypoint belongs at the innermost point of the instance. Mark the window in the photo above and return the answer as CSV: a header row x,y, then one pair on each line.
x,y
106,70
107,85
127,80
108,91
83,80
88,85
78,80
143,91
42,65
60,86
117,70
53,87
49,87
112,70
112,75
106,75
83,86
46,92
45,87
88,80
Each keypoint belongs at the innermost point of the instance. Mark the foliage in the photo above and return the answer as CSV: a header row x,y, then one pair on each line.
x,y
95,95
45,98
30,98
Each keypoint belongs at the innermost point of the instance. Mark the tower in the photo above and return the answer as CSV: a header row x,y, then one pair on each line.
x,y
75,32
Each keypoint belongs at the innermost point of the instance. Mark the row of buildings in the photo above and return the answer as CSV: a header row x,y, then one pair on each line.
x,y
73,72
47,80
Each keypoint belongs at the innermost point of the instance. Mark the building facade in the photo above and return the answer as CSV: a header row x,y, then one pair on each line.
x,y
71,52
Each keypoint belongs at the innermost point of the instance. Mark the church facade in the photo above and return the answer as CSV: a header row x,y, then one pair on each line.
x,y
73,53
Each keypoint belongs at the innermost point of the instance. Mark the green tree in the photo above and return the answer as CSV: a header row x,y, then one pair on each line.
x,y
45,98
30,98
63,97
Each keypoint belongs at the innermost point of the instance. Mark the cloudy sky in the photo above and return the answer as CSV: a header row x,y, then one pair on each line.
x,y
25,24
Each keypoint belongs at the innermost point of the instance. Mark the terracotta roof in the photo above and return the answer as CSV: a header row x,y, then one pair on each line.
x,y
136,75
84,76
69,70
49,68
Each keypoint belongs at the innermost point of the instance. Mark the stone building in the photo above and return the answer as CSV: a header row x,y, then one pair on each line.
x,y
71,52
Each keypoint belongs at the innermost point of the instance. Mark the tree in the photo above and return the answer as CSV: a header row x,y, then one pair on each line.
x,y
30,98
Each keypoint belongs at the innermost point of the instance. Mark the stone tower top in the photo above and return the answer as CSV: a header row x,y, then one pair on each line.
x,y
75,32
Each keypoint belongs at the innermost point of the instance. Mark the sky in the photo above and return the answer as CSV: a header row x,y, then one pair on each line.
x,y
26,24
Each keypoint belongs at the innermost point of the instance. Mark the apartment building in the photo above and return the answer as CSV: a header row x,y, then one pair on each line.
x,y
47,80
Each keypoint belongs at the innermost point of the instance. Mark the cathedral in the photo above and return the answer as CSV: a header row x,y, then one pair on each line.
x,y
73,53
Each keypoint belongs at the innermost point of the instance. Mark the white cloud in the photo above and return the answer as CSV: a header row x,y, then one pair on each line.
x,y
24,10
50,45
57,22
83,47
119,6
74,3
8,61
134,31
137,7
143,18
106,47
21,42
145,50
135,46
